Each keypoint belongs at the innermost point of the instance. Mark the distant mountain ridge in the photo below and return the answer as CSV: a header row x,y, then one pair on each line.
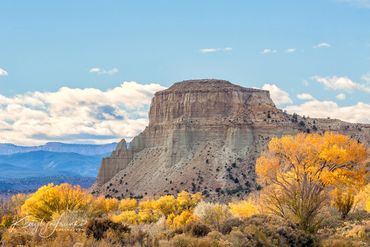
x,y
25,168
46,163
10,186
58,147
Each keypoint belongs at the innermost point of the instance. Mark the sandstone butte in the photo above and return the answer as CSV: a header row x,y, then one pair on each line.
x,y
205,136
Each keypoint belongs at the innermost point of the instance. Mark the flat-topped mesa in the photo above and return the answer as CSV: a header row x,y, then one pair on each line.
x,y
205,136
208,101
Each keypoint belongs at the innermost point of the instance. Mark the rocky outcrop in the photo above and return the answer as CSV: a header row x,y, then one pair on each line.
x,y
204,135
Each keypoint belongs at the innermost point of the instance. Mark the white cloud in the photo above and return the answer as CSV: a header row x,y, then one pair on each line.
x,y
341,83
341,96
100,71
268,51
322,45
3,72
76,115
278,95
211,50
305,96
358,113
366,78
291,50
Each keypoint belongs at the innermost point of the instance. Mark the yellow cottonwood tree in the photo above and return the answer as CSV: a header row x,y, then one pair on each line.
x,y
300,169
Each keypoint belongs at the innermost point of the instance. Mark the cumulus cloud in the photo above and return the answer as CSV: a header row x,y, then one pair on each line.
x,y
305,96
341,83
268,51
211,50
322,45
291,50
86,115
341,96
100,71
3,72
279,96
358,113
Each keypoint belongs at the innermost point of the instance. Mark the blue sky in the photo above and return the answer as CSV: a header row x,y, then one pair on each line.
x,y
319,48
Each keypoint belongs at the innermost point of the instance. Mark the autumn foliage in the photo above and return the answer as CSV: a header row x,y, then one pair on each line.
x,y
49,200
300,171
310,181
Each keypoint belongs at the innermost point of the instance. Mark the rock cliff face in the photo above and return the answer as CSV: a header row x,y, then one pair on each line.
x,y
204,135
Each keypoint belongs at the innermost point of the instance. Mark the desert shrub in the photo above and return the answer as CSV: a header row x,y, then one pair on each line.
x,y
338,242
141,237
198,229
127,204
267,231
212,214
358,232
229,224
102,228
343,201
7,220
362,199
215,235
239,239
16,201
10,207
16,238
51,199
62,239
188,241
183,241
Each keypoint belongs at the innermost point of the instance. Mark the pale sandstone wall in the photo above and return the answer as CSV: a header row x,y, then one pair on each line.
x,y
204,135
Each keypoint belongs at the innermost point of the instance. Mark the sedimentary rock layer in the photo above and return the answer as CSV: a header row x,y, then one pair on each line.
x,y
204,135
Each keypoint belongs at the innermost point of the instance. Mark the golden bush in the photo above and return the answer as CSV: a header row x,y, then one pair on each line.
x,y
127,204
243,209
51,199
362,199
128,217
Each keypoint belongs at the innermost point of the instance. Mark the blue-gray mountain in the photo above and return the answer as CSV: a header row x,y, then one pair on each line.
x,y
58,147
44,163
24,169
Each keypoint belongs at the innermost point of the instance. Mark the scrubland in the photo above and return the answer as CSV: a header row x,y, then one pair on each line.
x,y
315,192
